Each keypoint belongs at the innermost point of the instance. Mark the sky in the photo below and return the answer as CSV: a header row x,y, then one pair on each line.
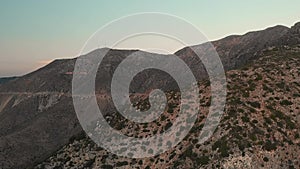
x,y
33,32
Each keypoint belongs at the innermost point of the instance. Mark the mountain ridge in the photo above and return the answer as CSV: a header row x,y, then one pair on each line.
x,y
33,127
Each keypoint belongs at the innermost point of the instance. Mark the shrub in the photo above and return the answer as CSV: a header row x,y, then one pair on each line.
x,y
267,120
245,119
259,77
171,108
253,137
119,164
266,159
255,104
252,110
252,86
289,123
169,124
189,152
286,103
280,85
222,147
107,167
266,88
296,95
246,94
203,160
269,146
278,114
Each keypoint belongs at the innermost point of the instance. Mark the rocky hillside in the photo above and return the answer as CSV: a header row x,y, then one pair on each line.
x,y
6,79
260,127
36,110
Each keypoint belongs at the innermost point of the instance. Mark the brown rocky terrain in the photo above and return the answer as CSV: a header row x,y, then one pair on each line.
x,y
259,129
38,118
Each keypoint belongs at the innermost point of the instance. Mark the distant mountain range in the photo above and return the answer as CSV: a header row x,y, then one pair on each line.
x,y
37,116
6,79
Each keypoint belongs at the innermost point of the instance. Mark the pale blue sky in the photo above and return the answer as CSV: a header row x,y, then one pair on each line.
x,y
35,32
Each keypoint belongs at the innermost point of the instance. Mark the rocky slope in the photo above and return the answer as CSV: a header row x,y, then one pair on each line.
x,y
260,127
6,79
36,110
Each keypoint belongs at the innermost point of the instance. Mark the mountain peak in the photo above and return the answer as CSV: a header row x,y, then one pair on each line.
x,y
296,28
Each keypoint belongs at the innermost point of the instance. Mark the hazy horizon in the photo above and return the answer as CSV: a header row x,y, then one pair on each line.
x,y
34,33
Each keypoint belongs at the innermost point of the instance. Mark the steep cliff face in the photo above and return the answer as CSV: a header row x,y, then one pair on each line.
x,y
36,111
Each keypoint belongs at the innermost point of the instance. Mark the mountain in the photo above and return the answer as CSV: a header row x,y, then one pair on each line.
x,y
259,128
6,79
37,113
